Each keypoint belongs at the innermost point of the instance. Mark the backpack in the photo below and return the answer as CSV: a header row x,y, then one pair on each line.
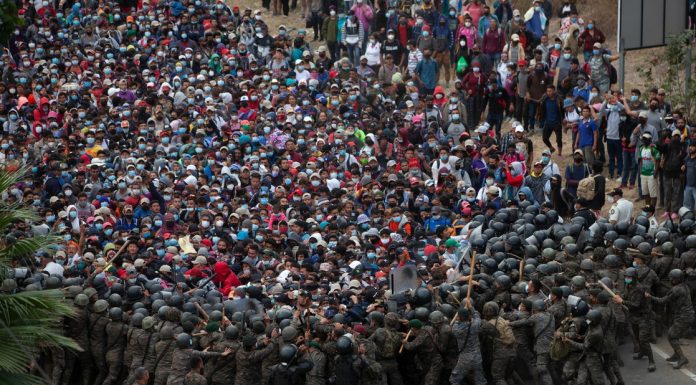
x,y
613,74
586,188
392,343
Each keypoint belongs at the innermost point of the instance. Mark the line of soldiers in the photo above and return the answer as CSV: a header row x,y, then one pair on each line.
x,y
555,317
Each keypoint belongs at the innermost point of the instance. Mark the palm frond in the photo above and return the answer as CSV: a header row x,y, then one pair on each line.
x,y
29,321
9,179
10,378
26,246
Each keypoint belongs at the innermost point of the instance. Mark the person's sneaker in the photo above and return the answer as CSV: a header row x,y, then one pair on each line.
x,y
651,368
672,358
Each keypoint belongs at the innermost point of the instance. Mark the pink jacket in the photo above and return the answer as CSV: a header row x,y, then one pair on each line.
x,y
364,14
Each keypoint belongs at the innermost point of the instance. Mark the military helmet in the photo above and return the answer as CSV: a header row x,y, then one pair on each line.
x,y
691,241
491,309
134,293
100,306
231,332
116,314
344,345
578,281
676,275
148,323
504,281
421,313
594,316
620,244
612,261
645,248
183,341
587,264
538,305
436,317
289,333
630,272
287,354
580,309
81,300
115,300
667,248
137,320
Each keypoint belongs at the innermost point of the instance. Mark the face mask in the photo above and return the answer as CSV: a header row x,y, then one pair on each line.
x,y
595,52
593,95
205,224
73,214
545,159
634,98
397,219
557,46
628,281
467,24
68,193
567,56
426,33
476,69
444,158
590,26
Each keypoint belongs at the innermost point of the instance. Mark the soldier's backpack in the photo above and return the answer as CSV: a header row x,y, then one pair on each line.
x,y
392,343
586,188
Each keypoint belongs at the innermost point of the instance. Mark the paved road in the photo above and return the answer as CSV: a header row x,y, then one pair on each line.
x,y
635,372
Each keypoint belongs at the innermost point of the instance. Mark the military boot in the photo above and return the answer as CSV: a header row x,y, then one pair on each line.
x,y
682,359
651,360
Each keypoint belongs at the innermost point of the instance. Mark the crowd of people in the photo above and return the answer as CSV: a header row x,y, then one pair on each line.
x,y
234,202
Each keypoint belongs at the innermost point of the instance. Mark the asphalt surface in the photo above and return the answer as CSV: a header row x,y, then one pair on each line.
x,y
635,371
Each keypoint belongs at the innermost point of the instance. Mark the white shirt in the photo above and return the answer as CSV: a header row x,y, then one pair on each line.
x,y
621,211
53,268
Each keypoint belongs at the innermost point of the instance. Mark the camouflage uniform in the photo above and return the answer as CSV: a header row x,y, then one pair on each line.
x,y
503,349
76,328
469,360
389,341
543,327
180,361
163,360
194,378
609,352
141,346
523,338
679,300
640,317
97,342
115,343
249,364
426,347
592,347
448,346
316,375
221,370
574,330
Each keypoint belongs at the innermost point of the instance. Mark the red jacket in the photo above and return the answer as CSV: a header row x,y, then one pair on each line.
x,y
589,39
225,279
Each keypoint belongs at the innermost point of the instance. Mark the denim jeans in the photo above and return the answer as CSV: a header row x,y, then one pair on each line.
x,y
630,168
690,197
354,54
615,158
531,115
496,121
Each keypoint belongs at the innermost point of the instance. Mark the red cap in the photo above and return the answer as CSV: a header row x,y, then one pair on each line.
x,y
413,163
521,62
